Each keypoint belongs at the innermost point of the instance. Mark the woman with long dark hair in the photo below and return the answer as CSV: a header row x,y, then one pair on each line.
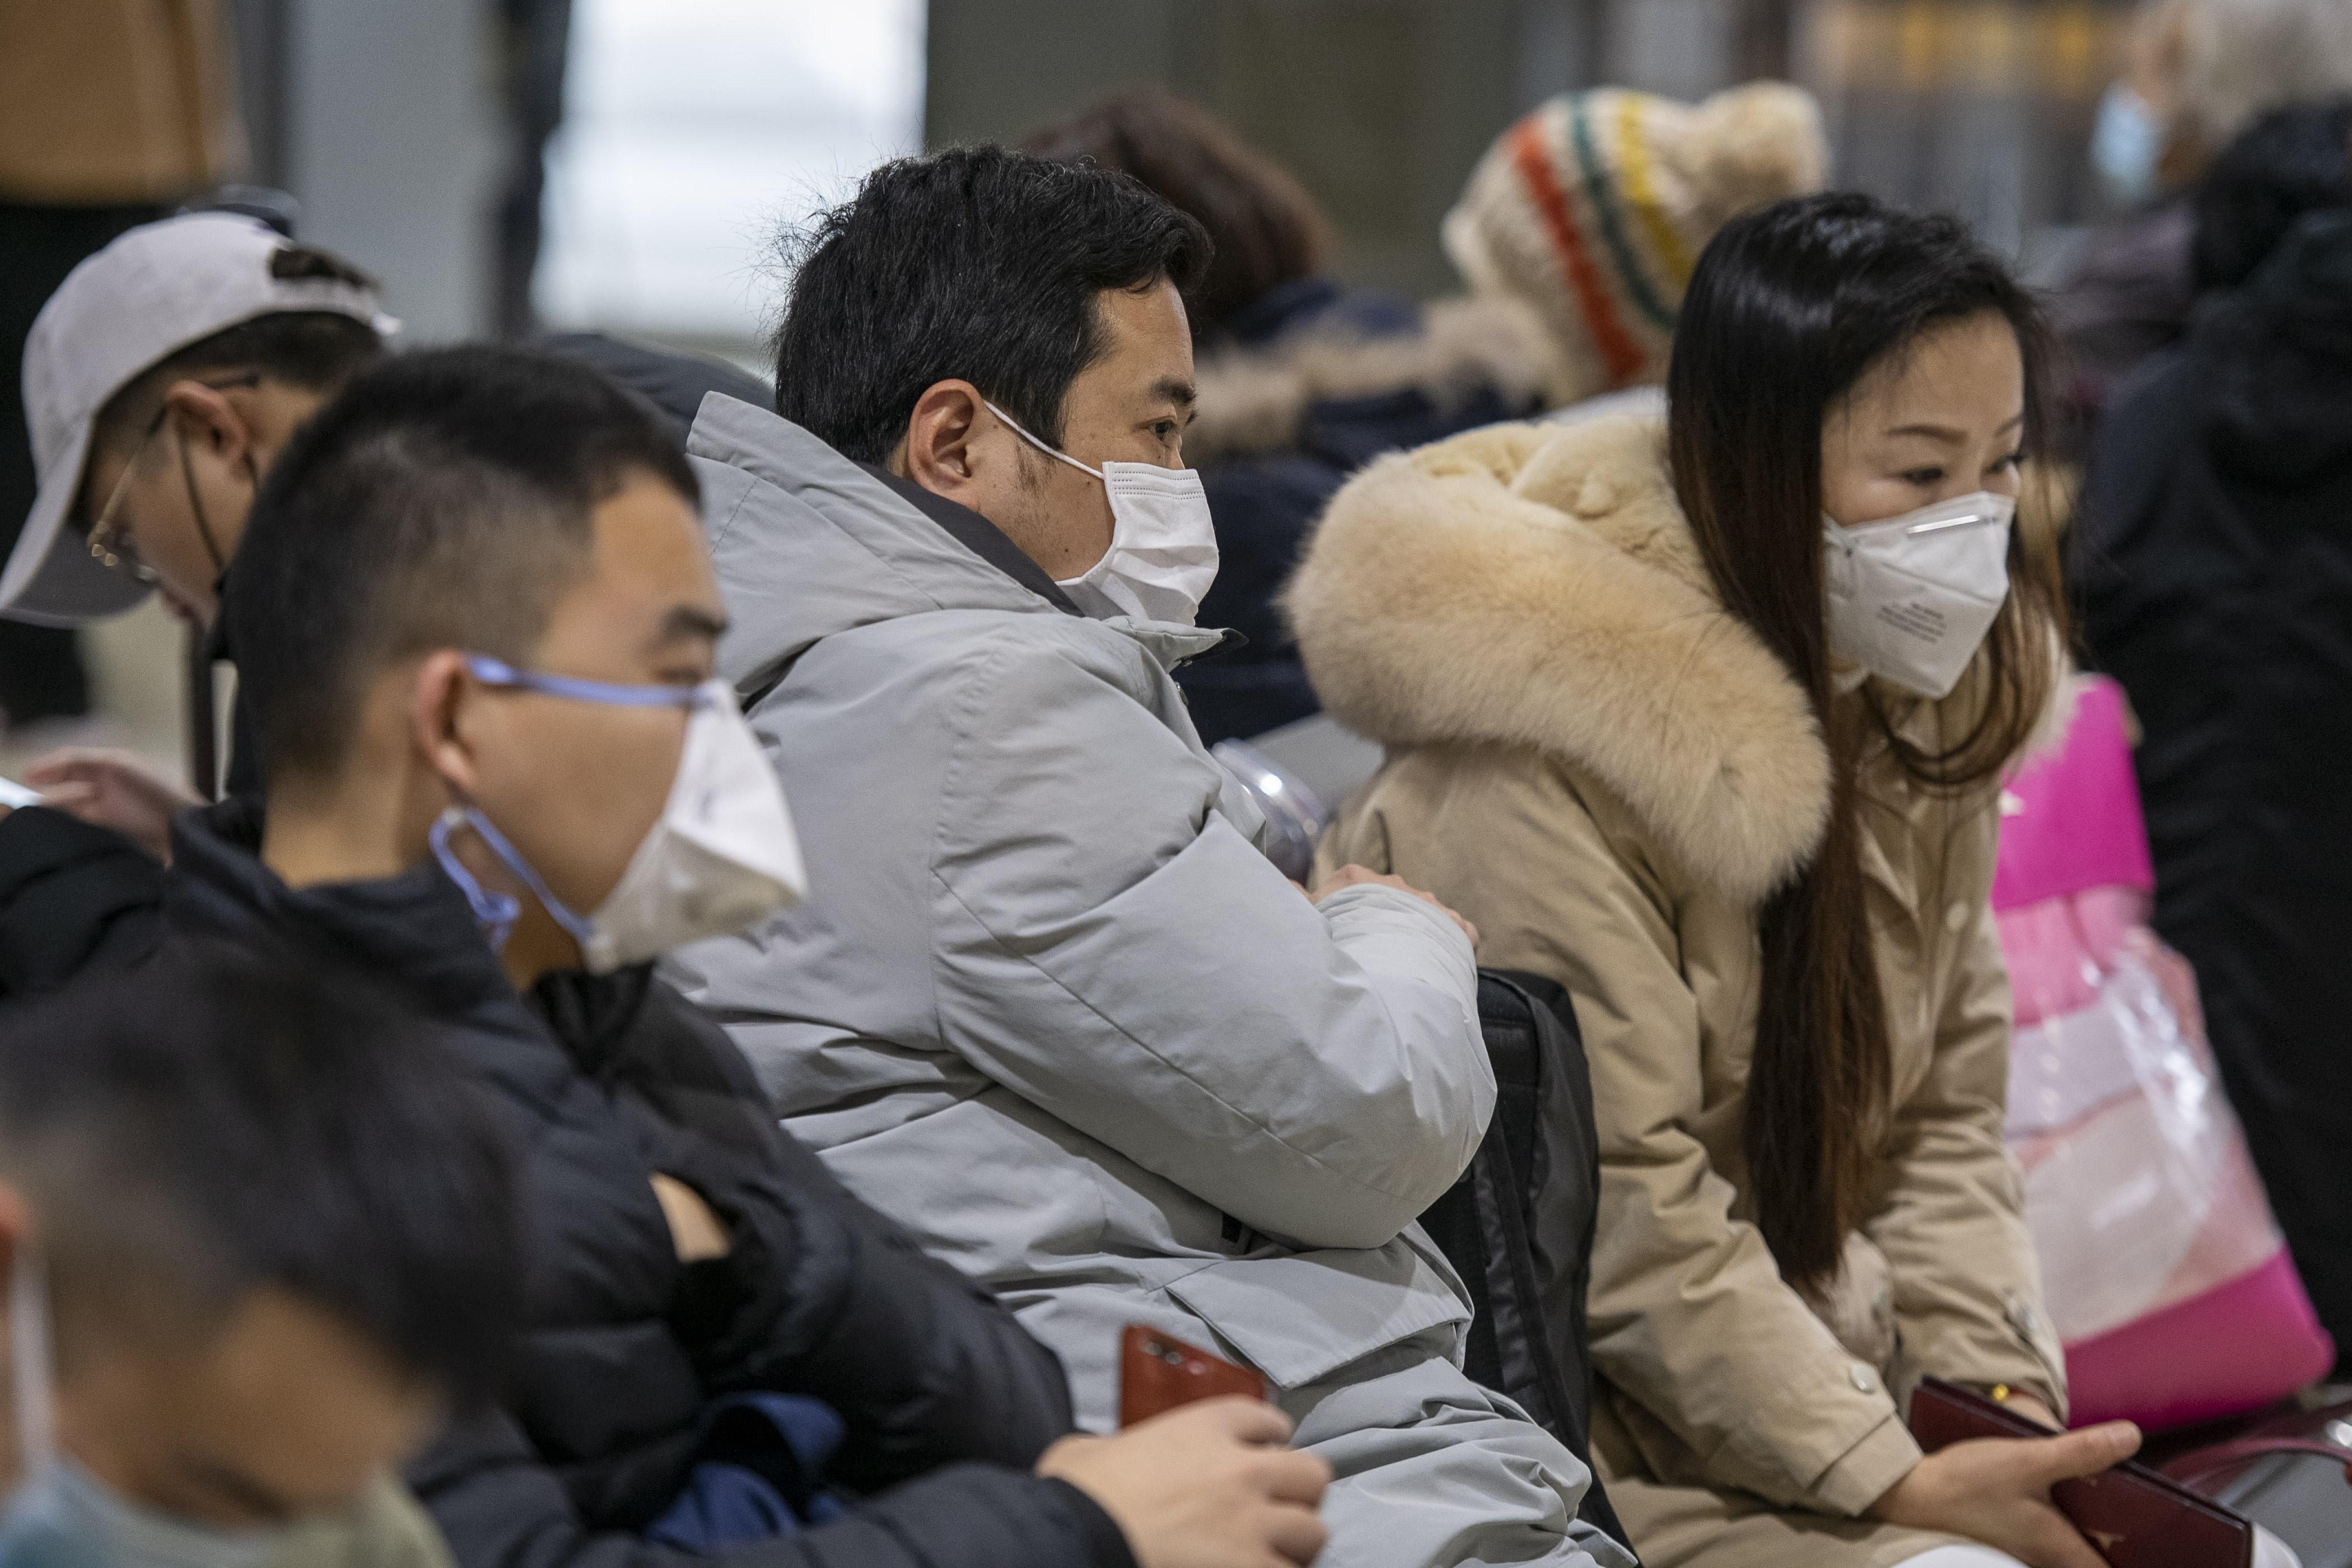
x,y
1706,722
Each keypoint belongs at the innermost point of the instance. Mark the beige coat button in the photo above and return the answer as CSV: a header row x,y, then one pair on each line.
x,y
1865,1380
1956,918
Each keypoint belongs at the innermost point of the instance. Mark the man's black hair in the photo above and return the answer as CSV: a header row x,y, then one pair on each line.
x,y
207,1127
445,500
2290,162
317,351
977,263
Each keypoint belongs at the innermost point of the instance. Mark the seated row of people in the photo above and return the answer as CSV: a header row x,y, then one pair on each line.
x,y
1721,766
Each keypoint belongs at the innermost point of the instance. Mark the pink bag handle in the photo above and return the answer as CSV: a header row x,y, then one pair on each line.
x,y
2195,1469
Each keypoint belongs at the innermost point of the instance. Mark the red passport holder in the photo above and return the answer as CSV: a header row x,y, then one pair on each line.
x,y
2136,1518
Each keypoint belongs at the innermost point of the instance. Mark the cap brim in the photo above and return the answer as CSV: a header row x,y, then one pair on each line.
x,y
51,578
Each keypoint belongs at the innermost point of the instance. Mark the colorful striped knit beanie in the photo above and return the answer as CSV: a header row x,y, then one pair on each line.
x,y
1593,210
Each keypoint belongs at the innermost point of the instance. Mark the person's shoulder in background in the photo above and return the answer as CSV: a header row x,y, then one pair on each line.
x,y
675,384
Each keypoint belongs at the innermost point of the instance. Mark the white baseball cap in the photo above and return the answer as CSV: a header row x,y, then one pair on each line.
x,y
153,291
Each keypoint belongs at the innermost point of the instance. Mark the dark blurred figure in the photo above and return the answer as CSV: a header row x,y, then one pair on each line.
x,y
536,36
2197,74
110,111
2214,563
259,1243
1575,235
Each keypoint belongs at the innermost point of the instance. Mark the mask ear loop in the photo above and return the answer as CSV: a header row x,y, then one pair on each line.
x,y
564,915
495,912
30,1360
196,509
1015,426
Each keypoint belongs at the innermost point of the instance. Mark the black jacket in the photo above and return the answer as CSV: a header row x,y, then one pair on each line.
x,y
70,893
2126,299
2214,566
605,1082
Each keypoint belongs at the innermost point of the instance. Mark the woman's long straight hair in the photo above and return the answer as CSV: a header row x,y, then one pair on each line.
x,y
1788,309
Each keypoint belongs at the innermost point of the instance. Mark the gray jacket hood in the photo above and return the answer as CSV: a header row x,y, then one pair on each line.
x,y
809,543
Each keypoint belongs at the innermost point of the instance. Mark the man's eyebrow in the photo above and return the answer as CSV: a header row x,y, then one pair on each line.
x,y
1175,390
691,622
239,1487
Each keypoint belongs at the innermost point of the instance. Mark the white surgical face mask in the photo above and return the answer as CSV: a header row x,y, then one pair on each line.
x,y
721,858
61,1515
2126,147
1164,545
1911,600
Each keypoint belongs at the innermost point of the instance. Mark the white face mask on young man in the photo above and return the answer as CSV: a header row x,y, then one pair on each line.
x,y
721,858
1164,544
1912,599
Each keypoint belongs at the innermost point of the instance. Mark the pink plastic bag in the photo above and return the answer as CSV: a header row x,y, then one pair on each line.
x,y
2165,1273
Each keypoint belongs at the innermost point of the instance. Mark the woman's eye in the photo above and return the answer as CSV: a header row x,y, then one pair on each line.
x,y
1924,477
2014,460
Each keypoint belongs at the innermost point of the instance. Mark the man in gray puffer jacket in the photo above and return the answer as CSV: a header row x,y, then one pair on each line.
x,y
1049,1006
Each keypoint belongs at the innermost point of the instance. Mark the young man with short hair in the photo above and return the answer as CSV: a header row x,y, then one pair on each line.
x,y
259,1245
1057,1013
477,625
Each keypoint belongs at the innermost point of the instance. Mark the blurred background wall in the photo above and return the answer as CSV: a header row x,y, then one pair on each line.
x,y
692,132
512,165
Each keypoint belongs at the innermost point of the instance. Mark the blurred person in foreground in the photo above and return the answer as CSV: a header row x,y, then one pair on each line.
x,y
1057,1012
476,622
1576,235
165,376
2197,74
259,1244
2213,562
110,111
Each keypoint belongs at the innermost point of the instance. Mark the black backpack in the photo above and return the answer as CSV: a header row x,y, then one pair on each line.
x,y
1519,1224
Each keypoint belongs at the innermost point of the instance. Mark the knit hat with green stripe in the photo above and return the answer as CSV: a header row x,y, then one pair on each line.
x,y
1593,210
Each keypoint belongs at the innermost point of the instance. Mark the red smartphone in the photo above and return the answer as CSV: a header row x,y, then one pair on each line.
x,y
1157,1372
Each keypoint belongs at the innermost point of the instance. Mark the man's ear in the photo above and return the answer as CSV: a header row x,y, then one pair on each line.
x,y
436,726
208,421
942,437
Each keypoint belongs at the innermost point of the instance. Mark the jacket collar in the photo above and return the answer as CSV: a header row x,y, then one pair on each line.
x,y
414,929
414,934
1536,586
980,536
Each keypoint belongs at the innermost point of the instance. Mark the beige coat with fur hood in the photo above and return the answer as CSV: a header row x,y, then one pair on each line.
x,y
1592,760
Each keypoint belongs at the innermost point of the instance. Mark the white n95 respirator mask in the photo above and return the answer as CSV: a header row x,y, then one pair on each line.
x,y
721,858
1164,544
1911,599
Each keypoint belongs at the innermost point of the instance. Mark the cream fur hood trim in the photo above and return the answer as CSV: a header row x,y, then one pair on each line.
x,y
1536,586
1256,399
